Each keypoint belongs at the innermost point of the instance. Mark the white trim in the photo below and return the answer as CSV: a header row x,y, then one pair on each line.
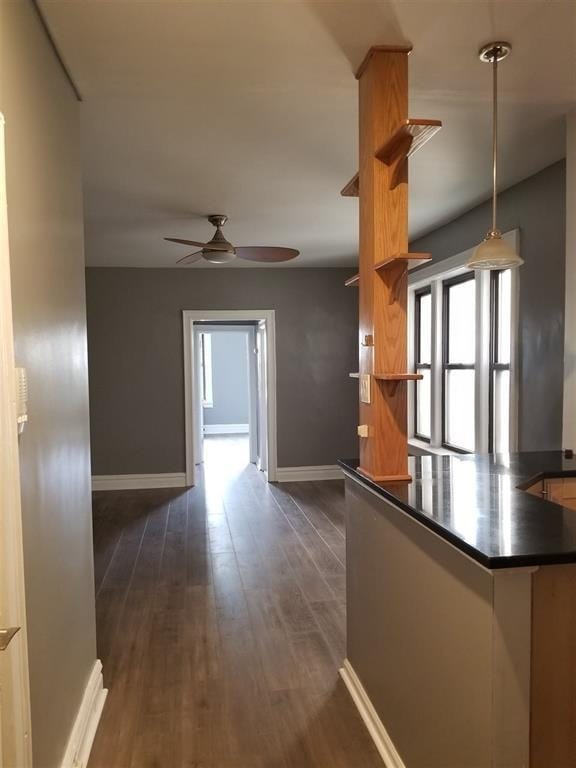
x,y
189,317
375,726
226,429
454,265
299,474
135,482
87,719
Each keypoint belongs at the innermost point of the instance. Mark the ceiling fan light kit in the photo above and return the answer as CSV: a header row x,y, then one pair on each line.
x,y
218,250
494,252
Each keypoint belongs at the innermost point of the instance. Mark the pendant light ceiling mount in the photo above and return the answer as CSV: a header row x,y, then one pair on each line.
x,y
492,51
494,252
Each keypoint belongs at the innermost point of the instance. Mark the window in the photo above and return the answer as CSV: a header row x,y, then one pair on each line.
x,y
206,364
423,361
459,362
463,331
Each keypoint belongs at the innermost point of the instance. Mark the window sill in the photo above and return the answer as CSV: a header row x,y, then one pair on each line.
x,y
423,447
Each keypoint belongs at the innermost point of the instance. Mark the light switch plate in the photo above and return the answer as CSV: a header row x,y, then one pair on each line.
x,y
365,393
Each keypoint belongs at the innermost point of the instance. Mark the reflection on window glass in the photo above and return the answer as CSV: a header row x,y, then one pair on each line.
x,y
459,416
462,322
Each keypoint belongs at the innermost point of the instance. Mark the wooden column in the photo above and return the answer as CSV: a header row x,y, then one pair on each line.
x,y
387,138
383,85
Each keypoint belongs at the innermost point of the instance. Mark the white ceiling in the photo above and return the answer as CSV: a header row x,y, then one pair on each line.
x,y
249,108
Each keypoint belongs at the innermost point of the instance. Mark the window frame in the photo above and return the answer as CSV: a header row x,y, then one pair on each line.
x,y
447,283
206,369
418,365
494,365
432,277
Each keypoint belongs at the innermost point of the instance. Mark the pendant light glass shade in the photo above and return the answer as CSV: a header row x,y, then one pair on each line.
x,y
494,252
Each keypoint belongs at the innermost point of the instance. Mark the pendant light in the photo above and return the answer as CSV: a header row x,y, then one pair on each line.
x,y
494,252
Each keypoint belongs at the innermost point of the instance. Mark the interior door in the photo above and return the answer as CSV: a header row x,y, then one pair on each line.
x,y
14,685
262,461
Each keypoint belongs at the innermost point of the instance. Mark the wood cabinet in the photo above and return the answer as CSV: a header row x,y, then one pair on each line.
x,y
560,490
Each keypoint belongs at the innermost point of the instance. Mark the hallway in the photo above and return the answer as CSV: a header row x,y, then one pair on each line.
x,y
220,615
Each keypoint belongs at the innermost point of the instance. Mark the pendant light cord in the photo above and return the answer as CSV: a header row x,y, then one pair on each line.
x,y
494,136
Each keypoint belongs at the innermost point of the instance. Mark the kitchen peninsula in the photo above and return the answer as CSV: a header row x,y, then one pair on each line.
x,y
461,601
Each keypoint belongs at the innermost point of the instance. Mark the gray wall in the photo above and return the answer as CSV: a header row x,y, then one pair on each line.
x,y
136,365
44,194
536,206
231,401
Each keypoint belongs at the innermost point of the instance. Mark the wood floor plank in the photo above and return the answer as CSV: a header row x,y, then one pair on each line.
x,y
221,626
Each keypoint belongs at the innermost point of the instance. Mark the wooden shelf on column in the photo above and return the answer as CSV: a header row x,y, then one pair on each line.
x,y
412,259
391,380
408,139
352,189
354,280
398,376
403,143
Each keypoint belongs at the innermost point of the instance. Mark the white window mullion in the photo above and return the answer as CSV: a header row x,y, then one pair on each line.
x,y
514,367
411,361
436,425
482,379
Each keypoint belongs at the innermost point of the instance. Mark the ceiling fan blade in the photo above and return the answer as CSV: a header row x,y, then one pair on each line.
x,y
191,258
266,253
210,245
185,242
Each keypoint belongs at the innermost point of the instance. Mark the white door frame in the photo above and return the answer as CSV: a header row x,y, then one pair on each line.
x,y
189,317
15,741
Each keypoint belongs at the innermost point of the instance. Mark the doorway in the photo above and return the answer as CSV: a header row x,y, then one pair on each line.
x,y
226,431
230,390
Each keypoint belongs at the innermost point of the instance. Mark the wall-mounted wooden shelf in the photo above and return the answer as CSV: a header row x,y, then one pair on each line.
x,y
412,259
354,280
352,189
408,139
354,375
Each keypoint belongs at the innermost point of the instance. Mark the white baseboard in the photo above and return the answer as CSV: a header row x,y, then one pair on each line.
x,y
135,482
298,474
87,719
376,729
226,429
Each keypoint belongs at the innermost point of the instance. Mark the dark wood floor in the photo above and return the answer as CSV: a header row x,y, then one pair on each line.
x,y
220,615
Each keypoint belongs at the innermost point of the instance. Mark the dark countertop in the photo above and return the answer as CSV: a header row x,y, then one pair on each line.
x,y
477,503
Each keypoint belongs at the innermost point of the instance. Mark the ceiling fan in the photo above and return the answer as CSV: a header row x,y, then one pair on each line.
x,y
220,251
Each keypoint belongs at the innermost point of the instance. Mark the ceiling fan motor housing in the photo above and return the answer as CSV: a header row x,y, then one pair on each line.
x,y
218,255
